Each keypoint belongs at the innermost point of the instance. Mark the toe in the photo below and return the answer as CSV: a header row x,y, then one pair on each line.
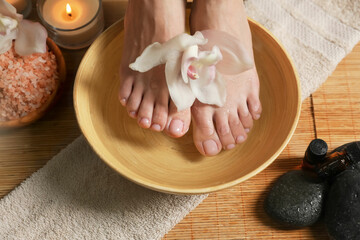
x,y
223,130
126,87
160,114
254,105
134,100
245,117
210,147
205,137
178,122
237,129
146,110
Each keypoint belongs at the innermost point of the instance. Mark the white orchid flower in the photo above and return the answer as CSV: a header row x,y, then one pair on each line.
x,y
193,65
30,37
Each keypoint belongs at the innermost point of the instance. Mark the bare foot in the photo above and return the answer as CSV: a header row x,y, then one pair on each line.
x,y
145,95
224,127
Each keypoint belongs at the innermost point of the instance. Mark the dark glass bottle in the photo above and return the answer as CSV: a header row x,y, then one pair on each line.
x,y
327,166
343,157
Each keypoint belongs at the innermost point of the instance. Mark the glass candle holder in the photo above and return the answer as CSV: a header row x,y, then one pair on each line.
x,y
72,24
22,6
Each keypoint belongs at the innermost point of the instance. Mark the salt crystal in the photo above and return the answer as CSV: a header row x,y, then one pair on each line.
x,y
41,60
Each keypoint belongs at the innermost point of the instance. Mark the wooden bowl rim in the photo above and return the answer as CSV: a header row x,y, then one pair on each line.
x,y
38,113
201,190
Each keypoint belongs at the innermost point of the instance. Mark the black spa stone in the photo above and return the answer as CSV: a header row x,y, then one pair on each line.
x,y
342,211
296,199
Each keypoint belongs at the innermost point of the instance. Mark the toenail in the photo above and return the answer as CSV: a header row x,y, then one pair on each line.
x,y
210,147
144,122
256,107
257,116
176,126
230,146
240,139
123,102
132,114
247,130
156,127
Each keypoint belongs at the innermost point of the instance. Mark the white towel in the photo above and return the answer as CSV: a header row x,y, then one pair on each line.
x,y
76,196
316,33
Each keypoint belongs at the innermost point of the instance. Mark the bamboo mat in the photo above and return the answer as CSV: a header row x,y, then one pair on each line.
x,y
332,113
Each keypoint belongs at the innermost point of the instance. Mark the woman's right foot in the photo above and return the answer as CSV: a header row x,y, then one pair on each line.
x,y
146,95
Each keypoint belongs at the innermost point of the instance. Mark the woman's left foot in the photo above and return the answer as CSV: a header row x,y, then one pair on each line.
x,y
224,127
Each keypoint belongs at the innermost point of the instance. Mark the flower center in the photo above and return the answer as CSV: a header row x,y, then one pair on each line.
x,y
192,73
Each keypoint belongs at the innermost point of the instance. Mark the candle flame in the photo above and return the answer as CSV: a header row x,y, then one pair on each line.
x,y
68,9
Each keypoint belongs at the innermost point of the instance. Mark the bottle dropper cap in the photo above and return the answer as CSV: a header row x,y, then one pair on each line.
x,y
316,151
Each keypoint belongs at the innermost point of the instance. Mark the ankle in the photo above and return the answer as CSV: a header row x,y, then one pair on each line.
x,y
164,19
228,16
210,14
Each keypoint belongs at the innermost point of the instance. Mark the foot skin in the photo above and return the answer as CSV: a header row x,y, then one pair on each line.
x,y
145,95
217,128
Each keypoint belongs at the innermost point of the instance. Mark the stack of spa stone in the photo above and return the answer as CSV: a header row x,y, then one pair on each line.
x,y
300,198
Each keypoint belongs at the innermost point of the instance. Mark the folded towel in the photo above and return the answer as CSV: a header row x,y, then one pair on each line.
x,y
76,196
316,33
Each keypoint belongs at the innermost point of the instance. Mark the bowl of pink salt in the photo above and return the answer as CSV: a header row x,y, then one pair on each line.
x,y
29,85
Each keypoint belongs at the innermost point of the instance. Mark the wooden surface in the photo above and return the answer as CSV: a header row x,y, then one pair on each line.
x,y
332,113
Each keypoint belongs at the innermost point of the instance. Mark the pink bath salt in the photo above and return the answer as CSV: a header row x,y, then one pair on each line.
x,y
26,82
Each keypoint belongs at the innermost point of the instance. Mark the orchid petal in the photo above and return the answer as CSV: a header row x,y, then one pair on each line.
x,y
31,38
236,58
156,53
9,10
7,24
179,91
212,57
184,40
190,55
6,41
152,56
209,88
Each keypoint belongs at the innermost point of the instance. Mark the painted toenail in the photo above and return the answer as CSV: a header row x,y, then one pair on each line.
x,y
156,127
240,139
132,114
230,146
210,147
257,116
176,126
123,102
144,122
247,130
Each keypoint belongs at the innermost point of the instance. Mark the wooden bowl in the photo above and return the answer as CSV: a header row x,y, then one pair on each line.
x,y
38,113
161,163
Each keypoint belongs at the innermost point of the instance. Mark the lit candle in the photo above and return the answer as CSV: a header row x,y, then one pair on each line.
x,y
22,6
72,23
